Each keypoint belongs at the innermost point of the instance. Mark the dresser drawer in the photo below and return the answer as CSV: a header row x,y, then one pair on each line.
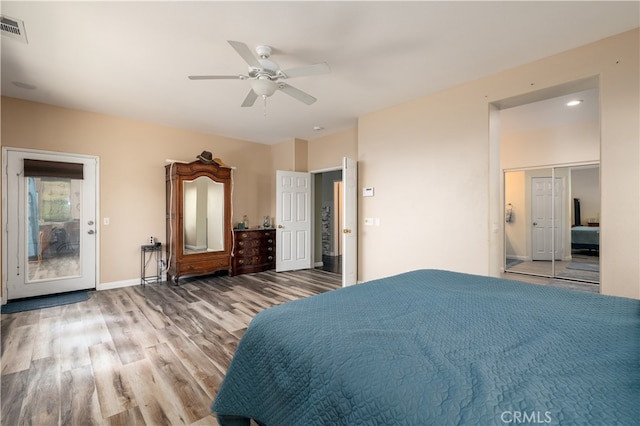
x,y
255,234
246,244
254,251
254,260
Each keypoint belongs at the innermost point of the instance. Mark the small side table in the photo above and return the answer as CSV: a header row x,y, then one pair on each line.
x,y
153,250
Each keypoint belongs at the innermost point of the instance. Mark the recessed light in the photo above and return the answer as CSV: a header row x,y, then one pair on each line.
x,y
318,128
574,102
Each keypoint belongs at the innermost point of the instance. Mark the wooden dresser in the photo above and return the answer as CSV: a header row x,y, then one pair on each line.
x,y
254,250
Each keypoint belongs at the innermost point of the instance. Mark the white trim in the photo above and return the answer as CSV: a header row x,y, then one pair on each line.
x,y
328,169
118,284
553,166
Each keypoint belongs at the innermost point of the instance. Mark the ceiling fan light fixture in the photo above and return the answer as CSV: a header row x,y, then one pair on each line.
x,y
264,86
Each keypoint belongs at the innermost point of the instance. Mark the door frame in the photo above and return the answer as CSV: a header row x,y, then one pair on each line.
x,y
341,168
5,208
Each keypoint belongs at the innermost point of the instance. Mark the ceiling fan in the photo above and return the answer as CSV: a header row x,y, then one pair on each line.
x,y
265,76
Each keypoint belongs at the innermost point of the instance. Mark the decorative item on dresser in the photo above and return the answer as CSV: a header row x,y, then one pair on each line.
x,y
253,250
198,217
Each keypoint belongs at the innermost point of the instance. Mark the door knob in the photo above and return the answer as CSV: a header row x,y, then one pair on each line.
x,y
280,226
90,223
346,231
91,232
535,223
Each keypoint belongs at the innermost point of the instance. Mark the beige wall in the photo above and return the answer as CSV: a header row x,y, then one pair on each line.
x,y
132,160
576,143
430,160
516,236
327,152
432,192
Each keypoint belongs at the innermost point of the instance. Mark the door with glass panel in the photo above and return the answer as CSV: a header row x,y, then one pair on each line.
x,y
50,244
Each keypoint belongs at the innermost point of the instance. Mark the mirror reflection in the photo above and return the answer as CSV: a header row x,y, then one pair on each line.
x,y
552,222
203,216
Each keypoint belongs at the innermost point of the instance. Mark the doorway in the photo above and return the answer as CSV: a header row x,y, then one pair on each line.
x,y
50,244
547,143
328,227
298,216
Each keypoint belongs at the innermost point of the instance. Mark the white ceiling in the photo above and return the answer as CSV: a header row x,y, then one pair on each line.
x,y
551,112
132,59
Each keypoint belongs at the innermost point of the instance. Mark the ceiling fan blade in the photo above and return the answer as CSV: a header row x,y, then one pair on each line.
x,y
215,77
246,53
250,99
317,69
296,93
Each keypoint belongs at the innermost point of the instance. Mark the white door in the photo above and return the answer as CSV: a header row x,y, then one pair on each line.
x,y
547,215
50,243
293,221
350,222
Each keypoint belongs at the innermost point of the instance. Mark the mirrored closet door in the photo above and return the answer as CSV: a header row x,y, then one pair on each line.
x,y
552,225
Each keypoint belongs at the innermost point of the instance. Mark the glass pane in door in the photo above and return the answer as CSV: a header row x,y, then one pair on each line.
x,y
53,228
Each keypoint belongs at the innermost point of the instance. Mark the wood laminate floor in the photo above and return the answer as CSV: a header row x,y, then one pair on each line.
x,y
136,356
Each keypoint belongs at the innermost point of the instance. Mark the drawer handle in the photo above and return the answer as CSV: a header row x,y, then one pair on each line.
x,y
244,235
241,243
240,251
270,258
270,249
270,240
240,261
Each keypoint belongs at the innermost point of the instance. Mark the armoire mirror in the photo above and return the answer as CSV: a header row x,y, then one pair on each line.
x,y
552,222
203,215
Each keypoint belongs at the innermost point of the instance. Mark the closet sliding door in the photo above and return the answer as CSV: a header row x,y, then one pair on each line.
x,y
542,236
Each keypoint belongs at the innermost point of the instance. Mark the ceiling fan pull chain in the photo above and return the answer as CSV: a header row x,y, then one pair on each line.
x,y
264,97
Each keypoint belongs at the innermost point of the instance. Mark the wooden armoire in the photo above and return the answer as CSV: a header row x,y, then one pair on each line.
x,y
199,239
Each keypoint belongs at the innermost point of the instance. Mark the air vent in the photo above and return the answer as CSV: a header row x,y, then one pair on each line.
x,y
13,28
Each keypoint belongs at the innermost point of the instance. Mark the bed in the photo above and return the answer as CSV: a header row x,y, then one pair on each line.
x,y
438,347
585,238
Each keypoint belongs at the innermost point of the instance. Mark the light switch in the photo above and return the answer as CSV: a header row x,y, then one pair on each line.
x,y
368,221
367,192
105,221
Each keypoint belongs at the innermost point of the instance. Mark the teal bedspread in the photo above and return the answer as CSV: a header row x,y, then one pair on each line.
x,y
433,347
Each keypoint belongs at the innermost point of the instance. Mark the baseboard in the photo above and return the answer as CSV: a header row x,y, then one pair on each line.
x,y
318,265
118,284
522,258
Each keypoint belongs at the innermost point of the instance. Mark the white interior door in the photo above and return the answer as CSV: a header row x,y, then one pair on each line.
x,y
350,222
547,215
50,207
293,221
